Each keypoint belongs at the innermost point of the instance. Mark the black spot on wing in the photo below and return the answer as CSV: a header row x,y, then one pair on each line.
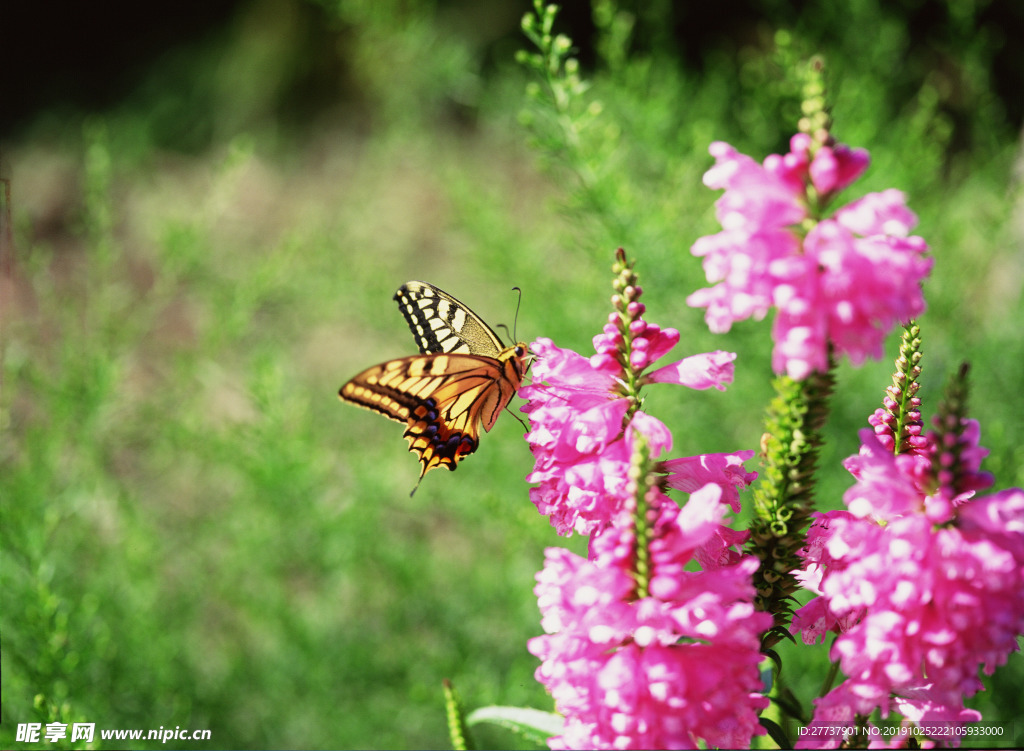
x,y
433,441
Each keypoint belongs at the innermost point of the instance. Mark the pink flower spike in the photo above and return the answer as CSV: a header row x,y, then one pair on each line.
x,y
712,369
843,281
675,669
923,592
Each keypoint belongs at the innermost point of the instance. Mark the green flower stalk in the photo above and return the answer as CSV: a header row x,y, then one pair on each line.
x,y
458,730
642,481
784,498
897,423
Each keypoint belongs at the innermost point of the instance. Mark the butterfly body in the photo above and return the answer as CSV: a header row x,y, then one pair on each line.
x,y
461,380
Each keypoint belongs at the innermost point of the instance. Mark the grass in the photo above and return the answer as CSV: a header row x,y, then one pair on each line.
x,y
190,511
196,533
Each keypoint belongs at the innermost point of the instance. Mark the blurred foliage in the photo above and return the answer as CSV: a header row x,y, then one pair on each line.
x,y
194,532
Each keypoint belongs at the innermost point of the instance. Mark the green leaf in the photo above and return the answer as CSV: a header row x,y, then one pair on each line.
x,y
788,703
533,724
774,656
776,733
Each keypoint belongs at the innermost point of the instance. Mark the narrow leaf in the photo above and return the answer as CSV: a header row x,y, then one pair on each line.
x,y
533,724
776,732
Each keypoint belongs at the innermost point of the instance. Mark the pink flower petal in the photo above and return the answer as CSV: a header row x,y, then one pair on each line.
x,y
709,370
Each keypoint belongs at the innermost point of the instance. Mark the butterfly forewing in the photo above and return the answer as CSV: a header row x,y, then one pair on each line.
x,y
441,323
462,380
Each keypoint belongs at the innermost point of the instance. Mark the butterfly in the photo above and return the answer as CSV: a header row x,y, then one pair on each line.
x,y
463,378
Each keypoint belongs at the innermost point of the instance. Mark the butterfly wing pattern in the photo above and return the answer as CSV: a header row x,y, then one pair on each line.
x,y
441,323
463,378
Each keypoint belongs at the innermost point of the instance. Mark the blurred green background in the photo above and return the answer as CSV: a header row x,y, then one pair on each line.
x,y
204,222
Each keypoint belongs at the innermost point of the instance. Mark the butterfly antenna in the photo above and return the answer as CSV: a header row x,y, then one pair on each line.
x,y
515,325
515,321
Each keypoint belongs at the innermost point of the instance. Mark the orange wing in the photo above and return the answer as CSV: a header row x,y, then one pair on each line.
x,y
442,398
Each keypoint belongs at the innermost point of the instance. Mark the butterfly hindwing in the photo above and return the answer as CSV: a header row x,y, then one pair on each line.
x,y
462,381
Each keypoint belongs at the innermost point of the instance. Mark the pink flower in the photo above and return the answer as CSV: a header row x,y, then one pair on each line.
x,y
923,592
835,718
843,281
884,423
648,342
884,213
691,473
835,167
581,448
888,485
576,424
710,370
668,670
